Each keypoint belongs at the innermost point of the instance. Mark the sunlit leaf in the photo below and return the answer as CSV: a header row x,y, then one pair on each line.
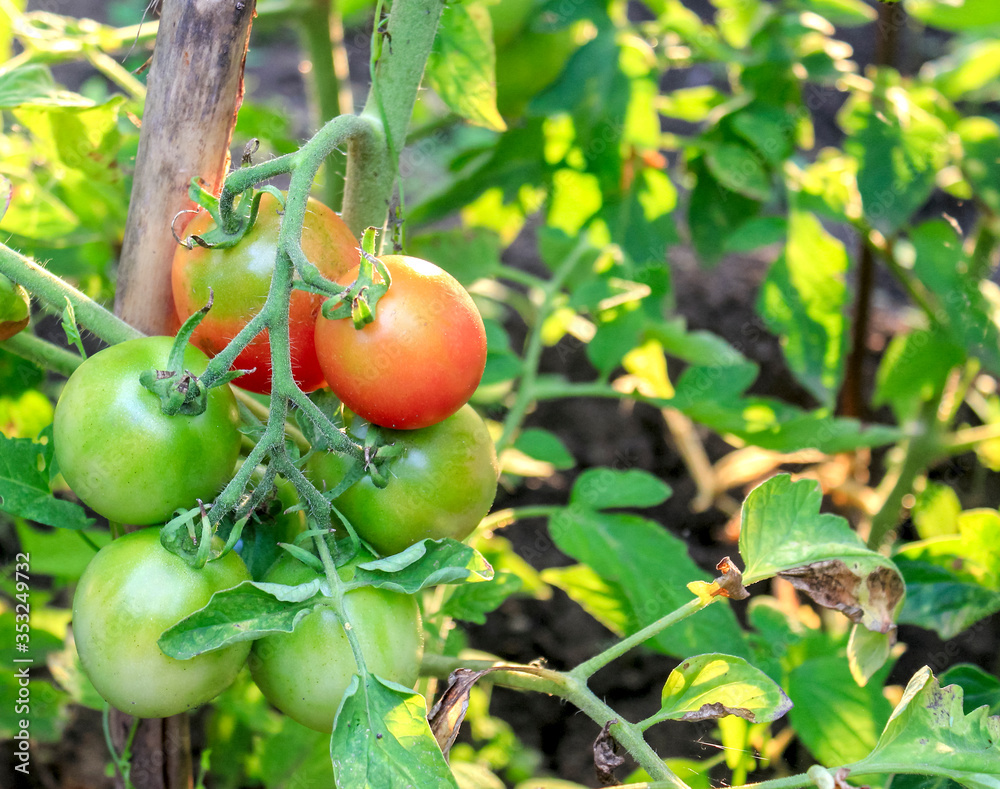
x,y
784,533
712,686
963,747
381,738
804,299
462,65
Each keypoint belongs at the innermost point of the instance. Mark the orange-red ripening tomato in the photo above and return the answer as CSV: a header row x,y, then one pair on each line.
x,y
419,361
240,278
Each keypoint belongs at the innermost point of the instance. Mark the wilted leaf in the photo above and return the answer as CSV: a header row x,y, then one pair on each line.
x,y
447,714
784,533
606,758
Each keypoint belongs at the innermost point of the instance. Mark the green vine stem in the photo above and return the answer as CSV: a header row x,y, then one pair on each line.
x,y
919,453
372,169
573,690
590,667
322,33
43,353
534,346
54,293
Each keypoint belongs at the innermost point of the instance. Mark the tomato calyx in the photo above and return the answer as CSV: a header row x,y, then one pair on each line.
x,y
359,299
181,391
192,537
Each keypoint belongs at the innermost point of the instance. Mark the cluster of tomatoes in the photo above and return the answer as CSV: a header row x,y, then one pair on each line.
x,y
410,371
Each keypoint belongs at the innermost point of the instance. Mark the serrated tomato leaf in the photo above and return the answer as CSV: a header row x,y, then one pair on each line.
x,y
24,486
248,611
784,533
608,488
929,733
381,738
713,686
426,563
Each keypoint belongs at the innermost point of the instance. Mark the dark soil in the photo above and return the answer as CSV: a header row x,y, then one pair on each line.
x,y
598,433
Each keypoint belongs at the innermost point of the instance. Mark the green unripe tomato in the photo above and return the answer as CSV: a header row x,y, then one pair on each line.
x,y
132,591
122,455
305,673
14,308
442,484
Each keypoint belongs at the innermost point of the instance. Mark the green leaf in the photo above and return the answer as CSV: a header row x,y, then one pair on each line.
x,y
381,738
914,370
471,602
604,600
936,511
715,213
462,65
900,149
804,299
967,15
845,13
426,563
966,747
980,688
545,446
941,264
739,169
757,233
651,567
468,254
608,489
836,719
33,85
690,104
246,612
52,553
783,533
966,71
641,220
952,582
981,158
576,197
712,686
24,486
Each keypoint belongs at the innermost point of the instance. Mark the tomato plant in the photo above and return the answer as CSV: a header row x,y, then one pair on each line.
x,y
132,591
122,455
441,485
14,308
240,277
306,672
418,361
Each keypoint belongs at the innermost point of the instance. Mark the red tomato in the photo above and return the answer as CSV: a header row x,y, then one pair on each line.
x,y
419,361
240,278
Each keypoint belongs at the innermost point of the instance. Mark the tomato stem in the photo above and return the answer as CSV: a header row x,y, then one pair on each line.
x,y
535,345
43,353
54,293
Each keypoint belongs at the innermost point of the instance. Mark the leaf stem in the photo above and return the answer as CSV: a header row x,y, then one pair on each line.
x,y
43,353
320,25
590,667
534,347
54,292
